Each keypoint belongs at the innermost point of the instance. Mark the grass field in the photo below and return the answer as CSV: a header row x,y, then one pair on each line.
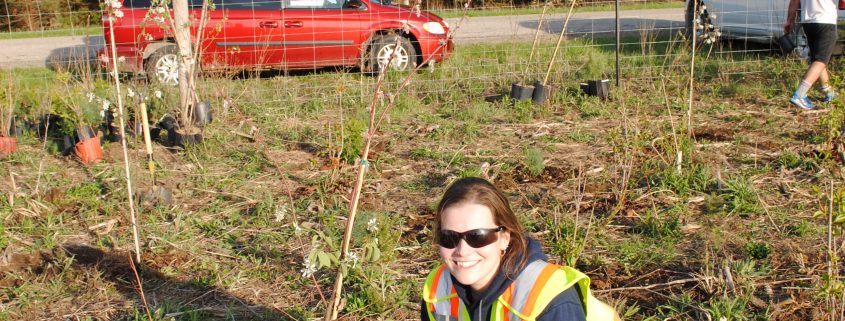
x,y
97,31
713,221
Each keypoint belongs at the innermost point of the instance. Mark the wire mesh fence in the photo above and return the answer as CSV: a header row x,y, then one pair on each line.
x,y
296,77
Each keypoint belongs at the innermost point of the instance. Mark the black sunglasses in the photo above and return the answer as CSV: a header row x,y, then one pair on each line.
x,y
476,238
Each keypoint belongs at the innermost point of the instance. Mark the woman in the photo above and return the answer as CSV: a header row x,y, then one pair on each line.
x,y
492,271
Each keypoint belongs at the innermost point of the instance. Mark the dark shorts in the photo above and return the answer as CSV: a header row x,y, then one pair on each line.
x,y
821,37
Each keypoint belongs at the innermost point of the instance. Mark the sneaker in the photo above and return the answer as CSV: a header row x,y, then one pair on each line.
x,y
802,102
830,96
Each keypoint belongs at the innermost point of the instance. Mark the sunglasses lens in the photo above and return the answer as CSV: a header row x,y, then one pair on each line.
x,y
449,239
480,238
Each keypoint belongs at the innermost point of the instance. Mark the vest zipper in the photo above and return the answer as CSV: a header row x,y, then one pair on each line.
x,y
478,314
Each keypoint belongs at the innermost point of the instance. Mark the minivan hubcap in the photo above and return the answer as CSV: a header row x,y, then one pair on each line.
x,y
400,57
167,70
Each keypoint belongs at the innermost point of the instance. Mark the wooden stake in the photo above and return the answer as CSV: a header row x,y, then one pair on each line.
x,y
147,141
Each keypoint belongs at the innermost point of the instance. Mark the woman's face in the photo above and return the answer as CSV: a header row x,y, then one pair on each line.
x,y
474,267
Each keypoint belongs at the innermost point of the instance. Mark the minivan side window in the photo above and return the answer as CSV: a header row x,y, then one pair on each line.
x,y
247,4
314,4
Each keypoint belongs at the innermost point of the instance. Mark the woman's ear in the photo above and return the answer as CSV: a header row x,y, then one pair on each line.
x,y
504,240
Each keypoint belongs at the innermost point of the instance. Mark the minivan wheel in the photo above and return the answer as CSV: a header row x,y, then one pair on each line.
x,y
163,66
384,46
689,17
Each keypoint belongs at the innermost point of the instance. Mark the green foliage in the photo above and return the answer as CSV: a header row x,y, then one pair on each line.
x,y
534,161
757,250
638,252
595,66
656,227
695,178
352,139
741,197
789,160
728,308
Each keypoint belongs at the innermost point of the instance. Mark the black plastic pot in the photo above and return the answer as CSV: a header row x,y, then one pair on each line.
x,y
598,88
520,92
108,124
167,123
67,145
180,139
155,133
15,130
786,44
85,133
541,92
202,113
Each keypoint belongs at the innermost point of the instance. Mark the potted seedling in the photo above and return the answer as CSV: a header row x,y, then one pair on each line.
x,y
521,92
185,128
8,143
542,90
80,110
596,84
190,113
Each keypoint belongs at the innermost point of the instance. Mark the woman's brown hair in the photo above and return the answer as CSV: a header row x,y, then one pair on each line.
x,y
479,191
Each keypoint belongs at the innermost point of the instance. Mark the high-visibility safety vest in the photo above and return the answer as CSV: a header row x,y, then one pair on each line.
x,y
525,299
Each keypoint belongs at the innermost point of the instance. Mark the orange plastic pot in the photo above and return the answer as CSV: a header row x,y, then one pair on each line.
x,y
89,150
8,145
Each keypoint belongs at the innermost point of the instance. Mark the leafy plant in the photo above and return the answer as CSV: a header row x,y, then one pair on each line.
x,y
741,197
757,250
534,161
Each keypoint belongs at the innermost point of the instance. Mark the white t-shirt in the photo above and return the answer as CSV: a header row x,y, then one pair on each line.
x,y
819,11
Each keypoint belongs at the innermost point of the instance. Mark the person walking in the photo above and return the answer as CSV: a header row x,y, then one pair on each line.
x,y
818,18
491,270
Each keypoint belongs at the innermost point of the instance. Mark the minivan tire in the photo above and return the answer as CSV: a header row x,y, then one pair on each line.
x,y
404,59
689,18
163,66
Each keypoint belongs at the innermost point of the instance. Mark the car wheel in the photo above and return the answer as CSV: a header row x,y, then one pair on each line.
x,y
163,66
404,57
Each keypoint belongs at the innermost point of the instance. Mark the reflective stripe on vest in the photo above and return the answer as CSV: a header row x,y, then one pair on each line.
x,y
524,299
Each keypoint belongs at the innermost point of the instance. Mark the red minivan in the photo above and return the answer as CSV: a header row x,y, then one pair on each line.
x,y
279,34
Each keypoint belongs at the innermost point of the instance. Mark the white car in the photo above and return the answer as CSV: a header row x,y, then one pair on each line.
x,y
759,21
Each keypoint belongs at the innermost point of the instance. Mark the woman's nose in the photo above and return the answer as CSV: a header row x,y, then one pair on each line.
x,y
462,247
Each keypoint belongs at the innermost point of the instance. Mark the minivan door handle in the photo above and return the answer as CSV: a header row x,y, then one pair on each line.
x,y
293,24
269,24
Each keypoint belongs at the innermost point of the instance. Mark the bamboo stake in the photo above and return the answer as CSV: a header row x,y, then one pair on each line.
x,y
140,288
43,151
678,153
692,67
559,40
123,142
7,123
830,303
536,37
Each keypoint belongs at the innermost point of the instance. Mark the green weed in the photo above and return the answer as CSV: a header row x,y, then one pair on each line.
x,y
534,161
